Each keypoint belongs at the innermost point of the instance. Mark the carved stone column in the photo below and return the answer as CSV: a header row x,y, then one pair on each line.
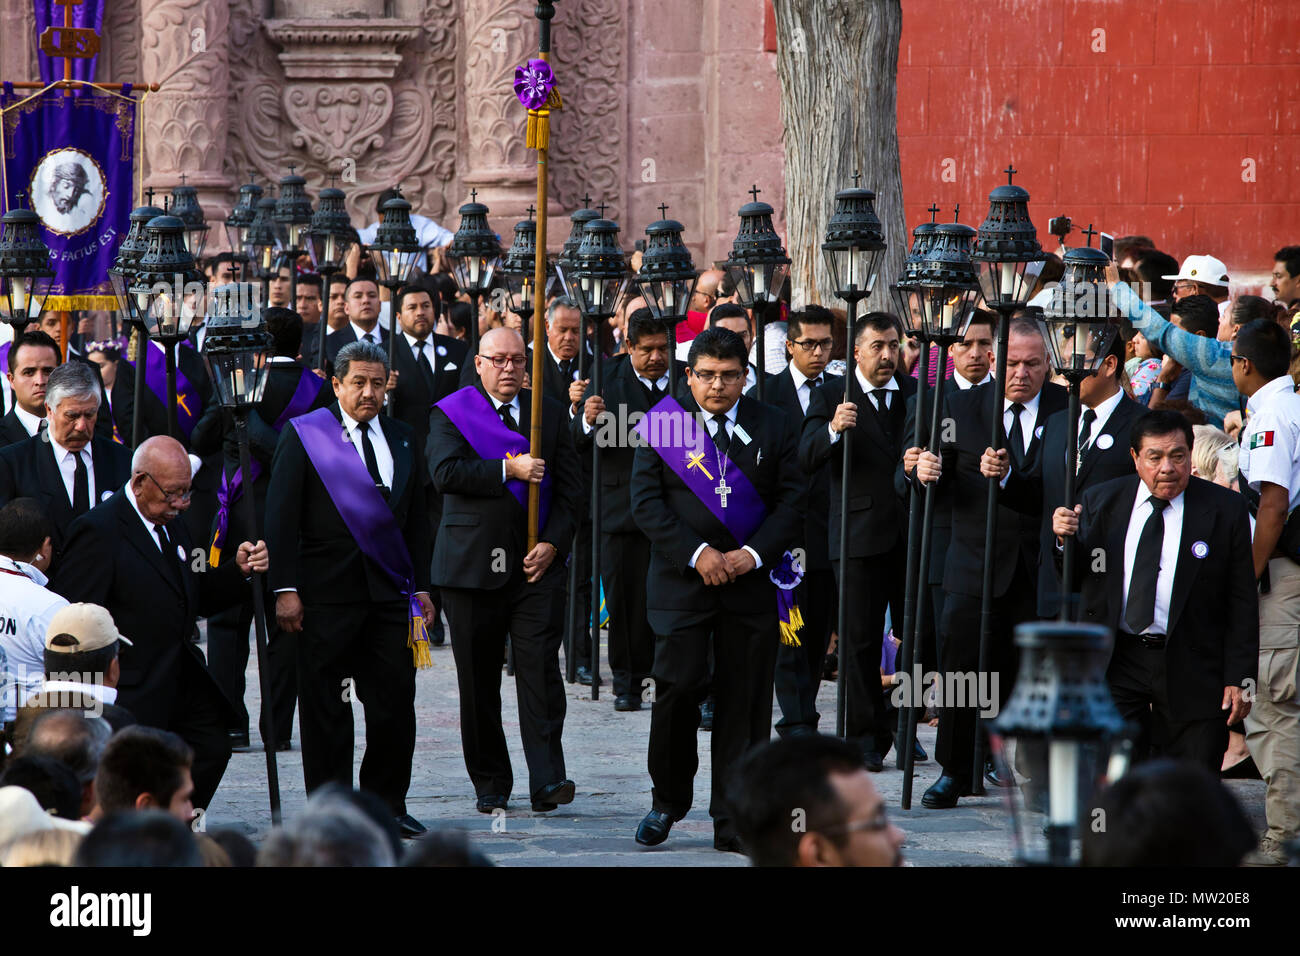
x,y
185,46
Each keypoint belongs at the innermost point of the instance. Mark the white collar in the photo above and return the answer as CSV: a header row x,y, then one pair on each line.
x,y
963,383
30,422
867,388
799,378
361,333
1278,386
1105,409
33,574
661,381
60,452
1143,493
149,526
1030,406
281,360
105,695
497,403
730,414
351,424
412,341
555,358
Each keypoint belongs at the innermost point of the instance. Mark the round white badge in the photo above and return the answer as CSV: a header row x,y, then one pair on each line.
x,y
1200,549
180,553
105,496
1038,432
1105,441
442,350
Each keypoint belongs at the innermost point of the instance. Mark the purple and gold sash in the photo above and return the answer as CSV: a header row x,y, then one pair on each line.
x,y
684,444
300,402
364,511
481,426
188,403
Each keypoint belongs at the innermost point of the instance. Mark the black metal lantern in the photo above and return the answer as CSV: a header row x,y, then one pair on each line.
x,y
905,291
186,208
329,239
25,270
518,268
1006,253
241,216
667,276
293,212
396,248
261,240
236,346
1069,738
474,253
1079,324
757,265
165,281
122,272
578,220
947,284
855,241
599,273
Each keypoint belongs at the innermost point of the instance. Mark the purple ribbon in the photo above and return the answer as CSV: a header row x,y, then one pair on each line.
x,y
188,404
481,426
533,83
300,402
685,446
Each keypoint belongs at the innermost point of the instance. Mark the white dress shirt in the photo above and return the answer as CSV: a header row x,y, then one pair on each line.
x,y
890,388
1103,412
1168,554
964,383
731,432
429,353
30,422
362,333
149,526
514,413
803,386
383,455
1028,420
67,462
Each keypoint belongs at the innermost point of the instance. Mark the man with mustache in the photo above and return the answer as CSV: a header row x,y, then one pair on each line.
x,y
877,520
65,467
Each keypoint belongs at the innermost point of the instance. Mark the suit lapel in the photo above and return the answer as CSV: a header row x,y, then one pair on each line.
x,y
1114,546
1198,524
1117,424
144,542
51,482
400,449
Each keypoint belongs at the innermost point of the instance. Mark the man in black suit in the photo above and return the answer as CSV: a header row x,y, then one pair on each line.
x,y
709,578
799,669
352,618
491,583
877,518
66,467
361,305
228,632
132,556
636,382
967,463
1105,418
335,318
426,365
33,357
1179,591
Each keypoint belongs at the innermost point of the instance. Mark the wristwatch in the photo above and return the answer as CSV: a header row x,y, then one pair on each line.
x,y
1163,386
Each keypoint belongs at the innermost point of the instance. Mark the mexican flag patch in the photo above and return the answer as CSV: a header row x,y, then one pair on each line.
x,y
1261,440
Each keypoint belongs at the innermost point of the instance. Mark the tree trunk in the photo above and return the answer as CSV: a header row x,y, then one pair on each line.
x,y
838,65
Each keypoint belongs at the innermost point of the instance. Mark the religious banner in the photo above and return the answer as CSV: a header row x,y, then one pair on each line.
x,y
73,30
71,160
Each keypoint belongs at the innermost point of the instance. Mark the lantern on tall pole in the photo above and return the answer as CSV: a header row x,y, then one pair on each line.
x,y
25,270
667,281
262,245
855,242
293,216
1007,259
394,254
474,255
186,208
595,283
329,239
241,218
758,267
122,274
517,270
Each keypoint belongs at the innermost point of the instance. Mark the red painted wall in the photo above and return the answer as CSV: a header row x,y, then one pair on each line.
x,y
1173,118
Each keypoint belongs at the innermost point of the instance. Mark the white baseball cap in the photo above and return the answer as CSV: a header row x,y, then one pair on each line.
x,y
21,814
1206,269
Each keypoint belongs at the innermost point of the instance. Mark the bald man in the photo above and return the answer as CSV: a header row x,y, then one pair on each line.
x,y
492,584
133,555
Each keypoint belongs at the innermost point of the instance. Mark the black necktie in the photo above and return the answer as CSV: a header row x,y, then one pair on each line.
x,y
80,486
1141,610
163,542
720,437
368,451
508,418
1085,433
422,362
1016,436
369,337
566,370
653,393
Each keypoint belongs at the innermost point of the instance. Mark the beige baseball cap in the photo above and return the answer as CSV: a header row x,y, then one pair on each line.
x,y
21,814
79,628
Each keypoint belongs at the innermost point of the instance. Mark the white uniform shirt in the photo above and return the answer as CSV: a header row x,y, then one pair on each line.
x,y
1270,444
26,607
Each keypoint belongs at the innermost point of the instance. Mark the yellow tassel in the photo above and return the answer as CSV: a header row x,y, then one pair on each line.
x,y
214,553
539,129
790,630
417,639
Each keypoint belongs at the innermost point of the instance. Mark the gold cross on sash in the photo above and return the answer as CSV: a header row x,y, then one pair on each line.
x,y
697,461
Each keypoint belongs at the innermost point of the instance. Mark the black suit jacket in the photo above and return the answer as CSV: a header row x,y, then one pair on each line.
x,y
480,515
335,340
412,399
677,522
1213,634
1020,501
622,391
312,550
877,515
28,470
781,393
112,560
1098,465
11,430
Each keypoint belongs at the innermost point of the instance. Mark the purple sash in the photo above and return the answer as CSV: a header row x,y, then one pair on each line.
x,y
481,426
309,386
685,446
364,511
188,404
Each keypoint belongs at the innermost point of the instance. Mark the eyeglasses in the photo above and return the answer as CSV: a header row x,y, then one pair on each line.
x,y
501,361
1234,357
876,824
170,495
730,377
815,345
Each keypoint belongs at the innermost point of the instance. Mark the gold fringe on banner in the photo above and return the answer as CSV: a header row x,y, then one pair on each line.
x,y
67,303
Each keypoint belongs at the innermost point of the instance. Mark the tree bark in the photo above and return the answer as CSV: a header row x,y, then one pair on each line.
x,y
838,65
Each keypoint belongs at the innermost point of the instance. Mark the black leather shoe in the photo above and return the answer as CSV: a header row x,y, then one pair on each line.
x,y
728,844
918,752
238,740
875,763
943,794
995,779
410,827
489,802
552,795
653,830
627,702
438,634
584,675
706,714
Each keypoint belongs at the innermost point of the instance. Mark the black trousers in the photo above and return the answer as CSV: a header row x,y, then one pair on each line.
x,y
357,651
533,616
874,583
578,603
955,746
799,669
624,566
229,638
199,716
1139,685
744,648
